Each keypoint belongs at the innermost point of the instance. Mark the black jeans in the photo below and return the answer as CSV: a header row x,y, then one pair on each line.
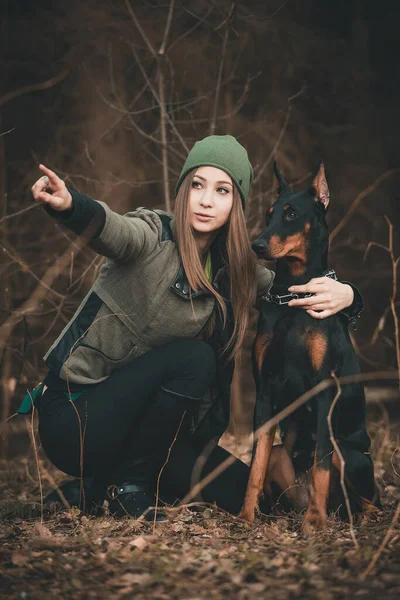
x,y
97,431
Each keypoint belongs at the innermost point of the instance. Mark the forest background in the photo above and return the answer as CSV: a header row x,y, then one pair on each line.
x,y
112,94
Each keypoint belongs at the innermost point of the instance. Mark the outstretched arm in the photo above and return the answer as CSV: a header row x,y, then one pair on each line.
x,y
121,237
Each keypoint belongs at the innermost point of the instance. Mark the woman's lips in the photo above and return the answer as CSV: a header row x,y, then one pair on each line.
x,y
204,218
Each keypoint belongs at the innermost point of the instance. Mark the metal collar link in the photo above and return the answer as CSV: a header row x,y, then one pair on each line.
x,y
286,298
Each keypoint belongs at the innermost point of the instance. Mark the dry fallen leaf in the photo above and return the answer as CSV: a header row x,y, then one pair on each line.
x,y
19,560
42,530
139,543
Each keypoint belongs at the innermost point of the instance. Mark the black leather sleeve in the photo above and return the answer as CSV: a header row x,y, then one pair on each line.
x,y
84,213
353,312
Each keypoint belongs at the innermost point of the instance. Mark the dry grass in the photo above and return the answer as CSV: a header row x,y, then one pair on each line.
x,y
194,554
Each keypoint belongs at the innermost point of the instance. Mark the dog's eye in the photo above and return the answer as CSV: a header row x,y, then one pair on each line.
x,y
290,216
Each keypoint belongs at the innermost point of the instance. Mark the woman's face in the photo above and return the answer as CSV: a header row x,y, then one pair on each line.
x,y
210,199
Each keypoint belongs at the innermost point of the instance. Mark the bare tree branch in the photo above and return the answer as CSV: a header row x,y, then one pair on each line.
x,y
27,89
219,79
371,188
167,28
276,145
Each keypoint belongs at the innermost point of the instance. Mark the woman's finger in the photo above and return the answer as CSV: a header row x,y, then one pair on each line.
x,y
319,307
319,315
54,201
312,287
39,185
45,197
308,302
54,179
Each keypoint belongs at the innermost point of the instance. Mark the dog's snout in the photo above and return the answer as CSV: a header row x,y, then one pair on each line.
x,y
259,246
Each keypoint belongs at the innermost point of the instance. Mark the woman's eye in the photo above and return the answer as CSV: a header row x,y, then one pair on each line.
x,y
196,184
222,190
290,216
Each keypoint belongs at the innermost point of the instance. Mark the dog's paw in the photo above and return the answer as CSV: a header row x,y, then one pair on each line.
x,y
370,512
313,523
246,515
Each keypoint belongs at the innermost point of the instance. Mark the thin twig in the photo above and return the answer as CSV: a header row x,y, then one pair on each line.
x,y
157,98
213,123
190,31
7,132
164,140
50,327
386,435
393,302
167,28
340,456
32,303
26,268
394,293
59,491
8,419
276,145
200,463
371,188
383,544
32,432
27,89
162,469
19,212
151,87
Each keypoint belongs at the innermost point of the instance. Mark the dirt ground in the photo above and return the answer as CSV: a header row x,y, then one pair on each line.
x,y
197,553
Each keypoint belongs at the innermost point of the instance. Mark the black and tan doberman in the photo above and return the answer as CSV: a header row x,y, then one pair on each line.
x,y
293,352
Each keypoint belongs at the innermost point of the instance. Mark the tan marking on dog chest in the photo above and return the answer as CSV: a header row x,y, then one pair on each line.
x,y
317,344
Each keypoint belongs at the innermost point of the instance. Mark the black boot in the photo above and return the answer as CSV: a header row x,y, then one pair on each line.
x,y
88,498
137,494
135,481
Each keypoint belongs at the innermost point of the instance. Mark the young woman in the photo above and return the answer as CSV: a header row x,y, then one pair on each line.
x,y
155,337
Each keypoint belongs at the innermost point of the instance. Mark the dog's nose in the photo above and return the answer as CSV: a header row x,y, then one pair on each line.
x,y
259,246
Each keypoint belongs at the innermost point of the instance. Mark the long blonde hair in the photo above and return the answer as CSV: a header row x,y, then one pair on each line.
x,y
241,262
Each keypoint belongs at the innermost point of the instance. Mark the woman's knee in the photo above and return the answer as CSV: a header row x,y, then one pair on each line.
x,y
201,358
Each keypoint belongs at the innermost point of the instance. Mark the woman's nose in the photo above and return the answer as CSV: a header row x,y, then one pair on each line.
x,y
207,198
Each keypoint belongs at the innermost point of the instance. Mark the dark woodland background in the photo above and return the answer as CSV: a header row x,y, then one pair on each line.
x,y
112,94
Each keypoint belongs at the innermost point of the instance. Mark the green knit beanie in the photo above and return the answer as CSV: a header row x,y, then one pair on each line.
x,y
223,152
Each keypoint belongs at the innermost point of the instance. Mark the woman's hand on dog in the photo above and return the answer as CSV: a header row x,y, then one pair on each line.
x,y
51,190
330,297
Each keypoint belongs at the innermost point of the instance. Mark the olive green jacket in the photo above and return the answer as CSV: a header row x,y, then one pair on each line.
x,y
140,299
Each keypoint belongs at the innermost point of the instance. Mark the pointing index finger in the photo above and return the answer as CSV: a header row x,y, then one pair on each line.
x,y
54,179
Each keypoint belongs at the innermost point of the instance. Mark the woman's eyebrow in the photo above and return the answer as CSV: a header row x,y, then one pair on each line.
x,y
217,182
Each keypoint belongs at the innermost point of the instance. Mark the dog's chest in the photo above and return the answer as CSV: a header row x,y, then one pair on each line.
x,y
290,337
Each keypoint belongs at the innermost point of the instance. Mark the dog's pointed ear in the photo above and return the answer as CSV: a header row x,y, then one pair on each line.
x,y
281,185
320,186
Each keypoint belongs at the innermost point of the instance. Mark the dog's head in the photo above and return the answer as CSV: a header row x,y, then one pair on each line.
x,y
294,219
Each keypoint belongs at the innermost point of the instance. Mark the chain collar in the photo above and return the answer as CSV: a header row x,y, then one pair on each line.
x,y
286,298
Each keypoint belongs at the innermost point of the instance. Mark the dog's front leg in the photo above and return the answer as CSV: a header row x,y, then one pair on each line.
x,y
259,466
316,514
